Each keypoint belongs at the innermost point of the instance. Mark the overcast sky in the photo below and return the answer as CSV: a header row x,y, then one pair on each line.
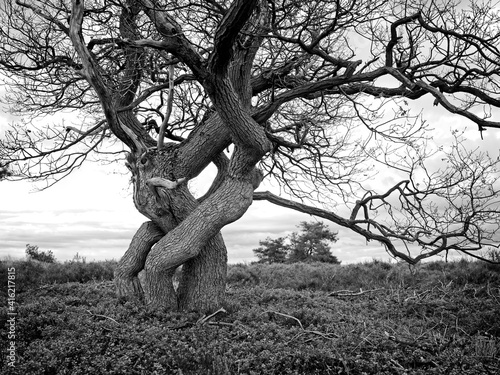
x,y
91,212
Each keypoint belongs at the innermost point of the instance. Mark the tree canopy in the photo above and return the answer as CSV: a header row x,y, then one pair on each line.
x,y
272,250
32,252
312,97
311,244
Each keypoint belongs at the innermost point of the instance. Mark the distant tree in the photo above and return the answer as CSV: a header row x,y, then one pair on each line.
x,y
33,253
4,170
312,244
272,250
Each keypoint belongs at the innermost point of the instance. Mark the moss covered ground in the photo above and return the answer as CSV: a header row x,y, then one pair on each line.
x,y
372,318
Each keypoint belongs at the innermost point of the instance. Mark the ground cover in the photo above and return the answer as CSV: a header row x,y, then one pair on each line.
x,y
373,318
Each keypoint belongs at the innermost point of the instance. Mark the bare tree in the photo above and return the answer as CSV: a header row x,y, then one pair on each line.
x,y
308,94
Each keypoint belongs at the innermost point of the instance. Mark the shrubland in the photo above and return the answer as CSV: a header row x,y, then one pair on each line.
x,y
302,318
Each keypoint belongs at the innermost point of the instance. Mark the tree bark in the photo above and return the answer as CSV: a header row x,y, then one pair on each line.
x,y
126,281
190,240
202,284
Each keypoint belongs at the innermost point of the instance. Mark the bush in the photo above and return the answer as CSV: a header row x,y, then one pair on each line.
x,y
33,253
32,273
241,274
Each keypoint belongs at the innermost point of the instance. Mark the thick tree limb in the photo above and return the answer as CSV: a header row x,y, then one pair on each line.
x,y
389,50
347,223
225,36
89,66
175,41
221,161
264,113
164,183
92,72
250,138
138,142
93,131
331,217
359,84
132,262
182,243
131,77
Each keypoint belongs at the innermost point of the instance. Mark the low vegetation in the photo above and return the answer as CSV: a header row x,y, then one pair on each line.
x,y
300,318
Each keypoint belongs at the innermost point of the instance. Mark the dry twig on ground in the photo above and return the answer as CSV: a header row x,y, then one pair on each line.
x,y
350,293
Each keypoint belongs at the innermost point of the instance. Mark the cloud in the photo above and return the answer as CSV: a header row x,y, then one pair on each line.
x,y
106,233
100,234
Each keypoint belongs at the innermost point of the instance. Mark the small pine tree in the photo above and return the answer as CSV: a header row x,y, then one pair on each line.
x,y
272,251
33,253
4,170
312,244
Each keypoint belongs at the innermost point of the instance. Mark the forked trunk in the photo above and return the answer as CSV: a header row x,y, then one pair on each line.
x,y
202,283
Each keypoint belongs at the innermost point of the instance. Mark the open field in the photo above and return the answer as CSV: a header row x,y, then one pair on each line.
x,y
373,318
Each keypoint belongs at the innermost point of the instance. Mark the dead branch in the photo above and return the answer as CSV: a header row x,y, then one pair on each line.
x,y
206,318
93,131
349,293
101,316
156,182
286,316
430,348
328,336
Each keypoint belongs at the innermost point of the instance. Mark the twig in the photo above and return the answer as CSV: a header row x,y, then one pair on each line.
x,y
102,316
287,316
224,324
93,131
430,348
349,293
417,296
206,318
329,336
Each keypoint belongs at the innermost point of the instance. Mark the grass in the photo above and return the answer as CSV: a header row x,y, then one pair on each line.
x,y
436,318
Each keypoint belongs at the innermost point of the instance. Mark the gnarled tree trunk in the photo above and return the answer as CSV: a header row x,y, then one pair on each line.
x,y
183,230
202,284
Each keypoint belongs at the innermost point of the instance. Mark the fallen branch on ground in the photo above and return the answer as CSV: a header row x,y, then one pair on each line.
x,y
329,336
350,293
101,316
206,318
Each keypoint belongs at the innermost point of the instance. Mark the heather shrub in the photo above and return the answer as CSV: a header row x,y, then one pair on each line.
x,y
241,274
368,275
279,319
32,273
